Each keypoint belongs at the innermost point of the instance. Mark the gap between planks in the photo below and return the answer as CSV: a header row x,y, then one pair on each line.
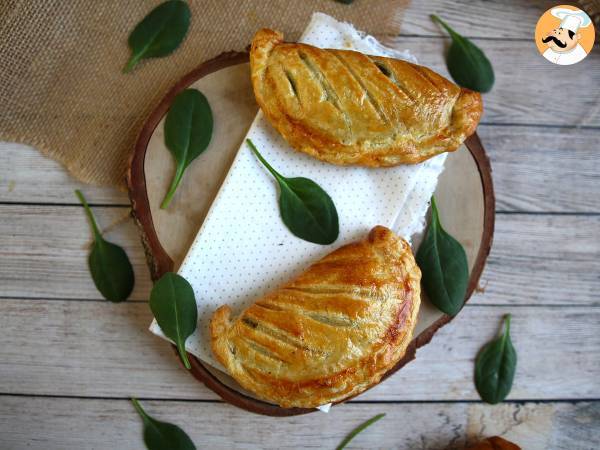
x,y
530,260
43,423
61,348
511,401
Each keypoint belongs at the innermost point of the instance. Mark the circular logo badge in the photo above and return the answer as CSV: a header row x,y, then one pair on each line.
x,y
564,35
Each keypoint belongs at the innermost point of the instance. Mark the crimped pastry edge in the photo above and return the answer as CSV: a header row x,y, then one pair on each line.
x,y
356,379
466,114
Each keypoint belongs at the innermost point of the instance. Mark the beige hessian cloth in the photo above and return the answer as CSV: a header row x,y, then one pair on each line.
x,y
62,89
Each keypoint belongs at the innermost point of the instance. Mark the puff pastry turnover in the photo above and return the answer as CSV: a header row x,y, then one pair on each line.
x,y
329,334
346,107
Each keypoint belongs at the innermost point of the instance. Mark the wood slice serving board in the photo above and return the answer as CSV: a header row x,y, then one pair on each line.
x,y
464,195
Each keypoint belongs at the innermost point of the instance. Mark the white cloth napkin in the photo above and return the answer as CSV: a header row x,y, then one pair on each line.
x,y
243,249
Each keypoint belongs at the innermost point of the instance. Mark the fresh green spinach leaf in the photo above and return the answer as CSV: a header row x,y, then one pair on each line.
x,y
159,33
162,435
359,429
306,209
108,263
467,64
173,304
443,263
188,130
495,367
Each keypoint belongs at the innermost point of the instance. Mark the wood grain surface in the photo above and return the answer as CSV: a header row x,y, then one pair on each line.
x,y
530,262
66,359
557,426
95,349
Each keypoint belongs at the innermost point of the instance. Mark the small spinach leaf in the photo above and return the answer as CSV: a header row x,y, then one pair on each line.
x,y
444,268
162,435
159,33
495,367
359,429
188,130
467,64
306,209
108,263
173,304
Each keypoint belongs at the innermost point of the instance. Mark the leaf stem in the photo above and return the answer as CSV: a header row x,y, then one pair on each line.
x,y
174,185
435,215
507,324
139,408
89,214
443,24
434,205
358,429
183,354
262,160
132,63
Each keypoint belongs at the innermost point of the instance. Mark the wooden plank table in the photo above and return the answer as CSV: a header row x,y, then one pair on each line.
x,y
69,360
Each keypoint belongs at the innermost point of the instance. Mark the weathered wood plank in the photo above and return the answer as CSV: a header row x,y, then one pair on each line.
x,y
43,254
534,170
476,18
28,176
43,250
105,350
541,259
525,91
43,423
544,169
88,348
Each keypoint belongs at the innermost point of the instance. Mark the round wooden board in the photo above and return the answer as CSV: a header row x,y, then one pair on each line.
x,y
464,195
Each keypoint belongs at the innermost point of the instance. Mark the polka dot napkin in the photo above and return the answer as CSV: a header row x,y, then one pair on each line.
x,y
244,250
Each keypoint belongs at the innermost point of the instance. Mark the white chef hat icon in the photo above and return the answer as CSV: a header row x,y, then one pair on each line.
x,y
571,19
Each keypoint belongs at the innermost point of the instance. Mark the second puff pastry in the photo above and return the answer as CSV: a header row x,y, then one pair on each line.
x,y
345,107
329,334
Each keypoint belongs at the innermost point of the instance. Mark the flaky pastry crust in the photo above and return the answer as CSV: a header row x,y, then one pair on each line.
x,y
329,334
346,107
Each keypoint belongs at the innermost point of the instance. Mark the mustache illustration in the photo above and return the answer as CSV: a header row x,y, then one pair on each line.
x,y
556,41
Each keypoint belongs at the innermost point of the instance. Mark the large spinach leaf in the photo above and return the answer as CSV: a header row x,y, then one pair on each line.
x,y
467,64
159,33
162,435
173,304
443,263
495,367
306,209
108,263
188,130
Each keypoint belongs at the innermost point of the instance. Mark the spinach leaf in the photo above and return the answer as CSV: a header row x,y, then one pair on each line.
x,y
162,435
306,209
358,429
495,367
346,2
159,33
108,263
467,64
173,304
444,268
188,129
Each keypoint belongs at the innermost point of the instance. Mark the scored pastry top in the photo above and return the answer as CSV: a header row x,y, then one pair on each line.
x,y
345,107
329,334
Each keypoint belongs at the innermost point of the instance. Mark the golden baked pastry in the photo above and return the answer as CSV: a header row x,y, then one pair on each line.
x,y
329,334
346,107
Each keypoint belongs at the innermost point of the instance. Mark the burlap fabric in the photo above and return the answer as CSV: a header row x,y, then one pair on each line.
x,y
62,89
